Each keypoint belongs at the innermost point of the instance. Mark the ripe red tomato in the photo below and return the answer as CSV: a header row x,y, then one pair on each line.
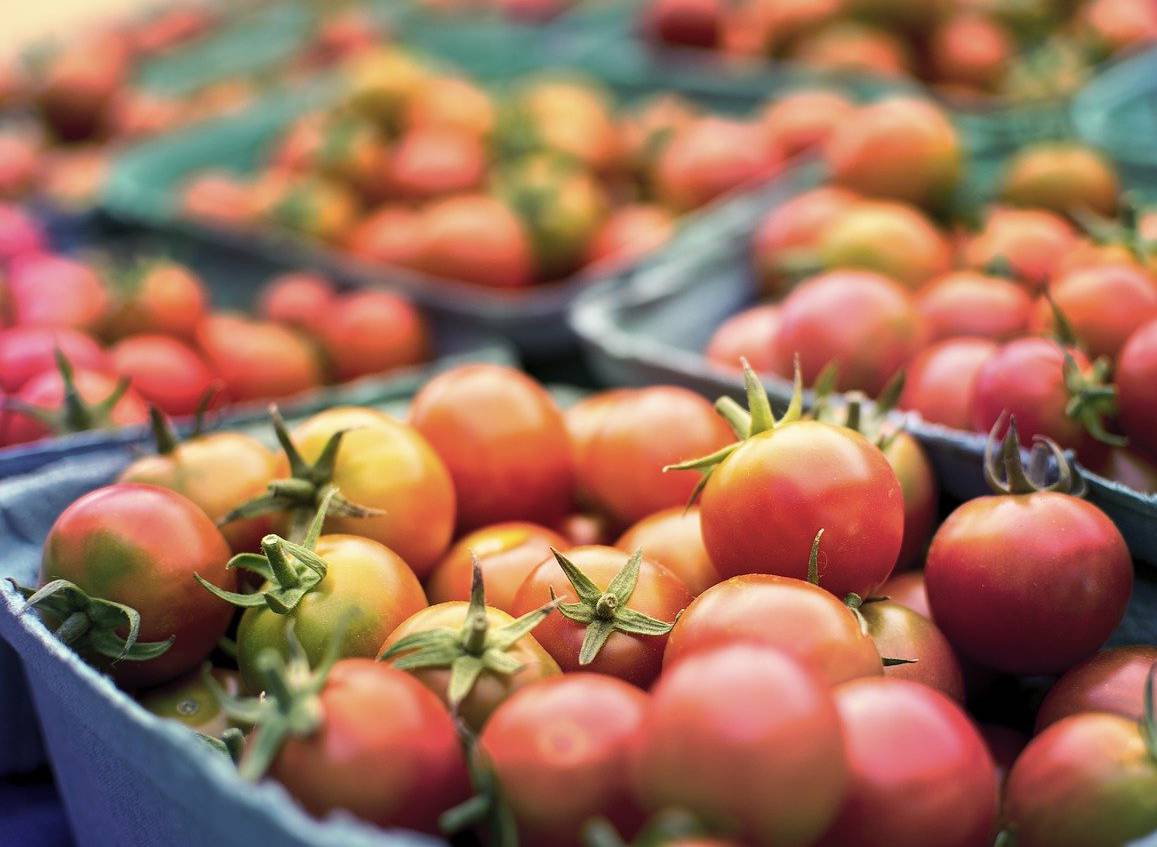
x,y
793,231
747,736
140,546
451,103
45,289
20,233
902,633
972,50
637,659
79,85
1033,242
506,552
907,589
559,749
26,351
218,197
1136,377
390,235
791,615
165,372
23,164
803,120
258,360
478,239
1111,681
845,47
620,466
940,380
428,163
893,239
673,538
687,23
299,300
709,158
748,335
969,303
504,441
162,297
373,332
584,528
404,771
1129,468
916,766
1063,177
921,495
864,322
46,391
629,233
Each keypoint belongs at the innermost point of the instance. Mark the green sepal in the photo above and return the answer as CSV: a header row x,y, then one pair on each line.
x,y
230,744
1092,399
889,662
1005,473
75,414
487,810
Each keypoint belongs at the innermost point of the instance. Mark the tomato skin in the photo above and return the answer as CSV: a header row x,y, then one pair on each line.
x,y
26,351
1033,241
797,226
921,495
20,232
907,589
170,299
863,321
750,335
1111,681
1086,781
1129,468
791,615
917,765
164,371
804,120
1028,584
620,467
504,442
387,751
385,464
451,103
893,239
687,23
298,300
762,507
478,239
709,158
940,381
573,118
258,360
140,545
218,197
1136,377
190,701
390,235
1061,177
634,658
852,47
559,749
429,163
46,391
969,303
901,633
49,290
761,735
507,553
971,49
629,233
490,690
373,332
673,538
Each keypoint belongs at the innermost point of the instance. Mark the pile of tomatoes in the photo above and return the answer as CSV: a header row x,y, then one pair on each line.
x,y
501,616
87,343
533,11
971,50
1045,306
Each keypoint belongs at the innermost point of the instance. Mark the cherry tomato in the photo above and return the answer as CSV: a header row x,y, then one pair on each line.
x,y
1129,468
901,633
921,495
907,589
711,157
804,120
673,538
26,351
572,117
971,49
23,164
313,206
686,23
629,233
940,381
1062,177
748,335
219,197
1033,242
191,702
1111,681
893,239
299,300
559,749
49,290
779,780
1120,24
478,239
163,297
451,103
430,163
506,552
1136,377
46,391
166,372
795,229
20,233
390,235
917,766
373,332
969,303
258,360
852,47
1005,745
383,82
504,441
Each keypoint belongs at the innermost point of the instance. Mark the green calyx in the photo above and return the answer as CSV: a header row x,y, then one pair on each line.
x,y
230,744
470,650
302,493
90,624
75,413
487,811
757,418
290,570
1006,473
606,612
855,410
1125,230
1092,398
165,436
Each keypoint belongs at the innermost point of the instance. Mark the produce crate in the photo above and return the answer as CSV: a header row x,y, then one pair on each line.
x,y
655,330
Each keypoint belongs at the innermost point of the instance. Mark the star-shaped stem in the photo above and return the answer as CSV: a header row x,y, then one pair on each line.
x,y
75,414
1006,474
1092,398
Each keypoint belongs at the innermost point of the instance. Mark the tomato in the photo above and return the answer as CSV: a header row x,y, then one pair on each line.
x,y
1062,177
921,494
620,466
940,381
709,158
789,234
901,633
299,300
344,35
647,128
162,297
803,120
893,239
629,233
686,23
568,116
430,163
673,538
373,332
1105,305
1028,581
901,148
746,737
1088,780
632,653
504,441
970,303
383,82
217,196
26,351
164,371
1033,243
91,409
1111,681
385,751
1120,24
749,335
506,552
49,290
140,546
316,207
916,766
585,419
560,750
1005,745
864,322
907,589
1136,378
1129,468
190,701
972,50
451,103
390,235
20,233
852,47
22,164
257,360
344,148
79,85
478,239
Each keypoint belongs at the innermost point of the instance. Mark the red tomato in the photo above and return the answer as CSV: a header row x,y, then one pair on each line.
x,y
165,372
390,235
47,391
1136,377
22,164
794,230
20,233
791,615
373,332
629,233
687,23
164,298
49,290
804,120
430,163
478,239
1121,24
893,239
1062,177
506,552
710,158
504,441
1032,241
901,633
634,658
299,300
404,771
907,589
852,47
559,749
673,538
748,335
1130,469
969,303
451,103
940,380
917,766
749,737
258,360
620,467
921,495
140,546
218,196
971,49
1111,681
899,147
1005,745
26,351
865,322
